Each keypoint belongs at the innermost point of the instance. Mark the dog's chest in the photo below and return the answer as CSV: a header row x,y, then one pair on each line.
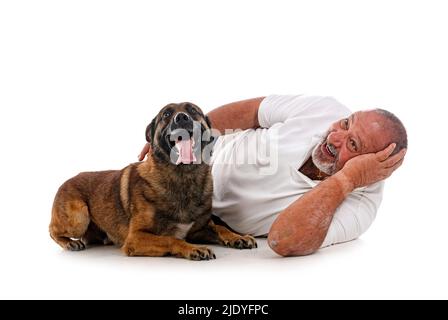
x,y
181,230
185,205
176,215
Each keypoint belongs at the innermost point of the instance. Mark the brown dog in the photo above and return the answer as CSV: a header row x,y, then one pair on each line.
x,y
149,208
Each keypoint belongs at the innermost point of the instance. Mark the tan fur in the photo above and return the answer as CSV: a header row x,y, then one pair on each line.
x,y
124,187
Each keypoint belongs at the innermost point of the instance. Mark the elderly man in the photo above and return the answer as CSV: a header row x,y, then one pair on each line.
x,y
304,171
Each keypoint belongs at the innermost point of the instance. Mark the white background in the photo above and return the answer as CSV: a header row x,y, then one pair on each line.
x,y
80,80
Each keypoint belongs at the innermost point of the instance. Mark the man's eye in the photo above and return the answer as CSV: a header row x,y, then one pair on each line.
x,y
345,123
167,114
353,145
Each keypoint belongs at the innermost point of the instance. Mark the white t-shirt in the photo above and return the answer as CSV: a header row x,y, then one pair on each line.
x,y
256,172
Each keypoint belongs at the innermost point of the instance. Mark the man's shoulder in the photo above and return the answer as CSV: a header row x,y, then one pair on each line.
x,y
306,101
310,108
329,104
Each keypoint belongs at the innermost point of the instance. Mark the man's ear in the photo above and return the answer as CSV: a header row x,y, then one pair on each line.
x,y
150,130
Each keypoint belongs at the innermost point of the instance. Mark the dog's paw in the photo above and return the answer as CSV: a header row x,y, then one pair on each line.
x,y
200,253
242,242
75,245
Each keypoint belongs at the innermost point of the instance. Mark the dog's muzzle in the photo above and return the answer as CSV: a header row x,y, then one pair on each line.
x,y
180,136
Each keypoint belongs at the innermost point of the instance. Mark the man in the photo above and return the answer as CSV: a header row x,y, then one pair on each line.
x,y
326,183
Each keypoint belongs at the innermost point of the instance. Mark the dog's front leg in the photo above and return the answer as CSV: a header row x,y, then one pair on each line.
x,y
217,234
141,243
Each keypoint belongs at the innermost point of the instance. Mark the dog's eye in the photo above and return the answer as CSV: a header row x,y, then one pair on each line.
x,y
193,111
166,114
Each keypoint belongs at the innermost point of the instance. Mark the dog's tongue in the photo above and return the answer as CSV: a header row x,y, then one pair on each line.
x,y
185,149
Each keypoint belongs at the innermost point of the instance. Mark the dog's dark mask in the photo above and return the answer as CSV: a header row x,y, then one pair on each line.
x,y
180,134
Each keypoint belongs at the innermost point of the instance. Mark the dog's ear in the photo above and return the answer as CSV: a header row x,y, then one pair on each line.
x,y
150,130
210,136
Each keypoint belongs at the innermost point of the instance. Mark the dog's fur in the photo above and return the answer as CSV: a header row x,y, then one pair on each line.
x,y
150,208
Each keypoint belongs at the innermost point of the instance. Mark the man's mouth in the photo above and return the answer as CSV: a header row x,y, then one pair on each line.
x,y
329,149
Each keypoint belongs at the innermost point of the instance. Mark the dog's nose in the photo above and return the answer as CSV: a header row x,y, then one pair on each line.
x,y
181,118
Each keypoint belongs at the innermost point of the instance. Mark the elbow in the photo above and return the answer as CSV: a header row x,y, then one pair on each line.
x,y
299,246
294,252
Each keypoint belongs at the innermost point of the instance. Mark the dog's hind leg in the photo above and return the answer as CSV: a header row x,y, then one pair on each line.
x,y
69,222
95,235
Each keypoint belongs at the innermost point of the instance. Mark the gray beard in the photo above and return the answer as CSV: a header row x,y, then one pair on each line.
x,y
327,168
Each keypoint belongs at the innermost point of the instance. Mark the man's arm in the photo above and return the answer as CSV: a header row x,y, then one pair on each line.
x,y
237,115
301,228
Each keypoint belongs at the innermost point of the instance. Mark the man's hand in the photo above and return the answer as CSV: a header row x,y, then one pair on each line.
x,y
146,149
369,168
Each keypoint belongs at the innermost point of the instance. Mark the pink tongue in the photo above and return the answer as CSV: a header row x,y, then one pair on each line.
x,y
185,148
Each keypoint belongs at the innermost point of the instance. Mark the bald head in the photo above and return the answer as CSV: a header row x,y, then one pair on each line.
x,y
395,129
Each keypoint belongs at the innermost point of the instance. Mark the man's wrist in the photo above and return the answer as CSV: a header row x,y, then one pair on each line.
x,y
346,184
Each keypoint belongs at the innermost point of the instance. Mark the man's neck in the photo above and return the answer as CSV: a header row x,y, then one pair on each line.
x,y
311,171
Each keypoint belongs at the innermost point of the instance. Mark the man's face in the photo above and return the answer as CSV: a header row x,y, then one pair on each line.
x,y
362,132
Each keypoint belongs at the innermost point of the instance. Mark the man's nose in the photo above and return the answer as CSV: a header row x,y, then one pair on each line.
x,y
336,138
182,118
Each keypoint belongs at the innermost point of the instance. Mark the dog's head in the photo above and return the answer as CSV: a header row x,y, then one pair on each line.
x,y
180,134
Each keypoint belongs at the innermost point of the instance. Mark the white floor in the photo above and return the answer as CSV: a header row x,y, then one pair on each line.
x,y
360,269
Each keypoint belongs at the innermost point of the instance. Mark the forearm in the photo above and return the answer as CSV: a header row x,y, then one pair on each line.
x,y
301,228
237,115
